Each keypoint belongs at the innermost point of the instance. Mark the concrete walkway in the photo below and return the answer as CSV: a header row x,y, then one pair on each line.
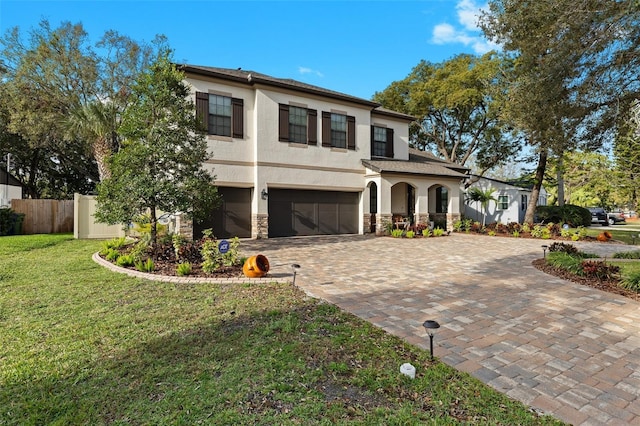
x,y
559,347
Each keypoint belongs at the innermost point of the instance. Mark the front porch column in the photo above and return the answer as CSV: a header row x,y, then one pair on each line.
x,y
452,217
382,220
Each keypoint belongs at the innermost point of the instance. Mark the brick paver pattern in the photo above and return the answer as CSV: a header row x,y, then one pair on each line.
x,y
561,348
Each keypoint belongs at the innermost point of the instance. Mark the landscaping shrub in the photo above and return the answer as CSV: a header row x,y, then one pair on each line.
x,y
632,282
566,261
410,234
563,248
627,255
397,233
573,215
426,232
183,269
600,270
125,260
438,232
144,265
10,222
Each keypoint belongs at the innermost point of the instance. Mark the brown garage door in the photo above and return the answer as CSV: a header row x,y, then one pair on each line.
x,y
232,218
298,212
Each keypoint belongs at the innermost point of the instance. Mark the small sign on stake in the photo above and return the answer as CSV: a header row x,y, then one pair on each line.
x,y
223,246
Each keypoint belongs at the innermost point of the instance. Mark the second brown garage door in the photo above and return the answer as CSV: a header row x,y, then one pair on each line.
x,y
299,212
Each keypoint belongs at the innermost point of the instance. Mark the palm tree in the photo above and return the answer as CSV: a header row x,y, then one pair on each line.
x,y
97,123
483,197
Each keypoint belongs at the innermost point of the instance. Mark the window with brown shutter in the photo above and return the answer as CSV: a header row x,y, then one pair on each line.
x,y
283,123
381,142
237,114
389,147
220,115
351,132
312,137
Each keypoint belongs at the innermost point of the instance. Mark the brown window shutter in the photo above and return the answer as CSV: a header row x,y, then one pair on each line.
x,y
237,115
326,128
372,140
389,146
351,132
202,111
312,127
283,124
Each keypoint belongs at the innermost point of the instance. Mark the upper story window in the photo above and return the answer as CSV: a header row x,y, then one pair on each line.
x,y
381,142
298,125
503,202
220,115
338,130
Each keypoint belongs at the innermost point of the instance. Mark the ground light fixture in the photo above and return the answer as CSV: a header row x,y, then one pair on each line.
x,y
431,326
544,250
294,269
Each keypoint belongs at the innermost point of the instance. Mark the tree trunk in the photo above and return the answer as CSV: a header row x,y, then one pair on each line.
x,y
101,151
537,184
560,177
154,227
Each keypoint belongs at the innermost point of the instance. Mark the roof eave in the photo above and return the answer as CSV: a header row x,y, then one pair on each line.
x,y
252,79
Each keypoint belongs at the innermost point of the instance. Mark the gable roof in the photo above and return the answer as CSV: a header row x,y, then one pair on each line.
x,y
515,183
12,180
419,163
251,78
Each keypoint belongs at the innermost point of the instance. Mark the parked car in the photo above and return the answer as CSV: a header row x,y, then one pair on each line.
x,y
615,217
598,215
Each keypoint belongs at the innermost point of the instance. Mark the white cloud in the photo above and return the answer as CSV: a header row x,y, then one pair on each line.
x,y
466,31
305,70
468,14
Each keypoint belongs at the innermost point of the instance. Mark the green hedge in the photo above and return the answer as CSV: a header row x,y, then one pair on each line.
x,y
10,222
573,215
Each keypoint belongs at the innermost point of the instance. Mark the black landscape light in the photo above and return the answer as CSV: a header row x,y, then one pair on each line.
x,y
294,268
544,250
431,326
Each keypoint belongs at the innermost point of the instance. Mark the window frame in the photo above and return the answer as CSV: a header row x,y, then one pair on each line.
x,y
327,131
503,202
236,111
284,125
376,143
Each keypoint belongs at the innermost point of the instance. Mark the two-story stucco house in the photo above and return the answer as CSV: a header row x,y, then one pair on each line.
x,y
294,159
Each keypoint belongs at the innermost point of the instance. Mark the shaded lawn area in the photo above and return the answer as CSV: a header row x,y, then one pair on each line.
x,y
83,345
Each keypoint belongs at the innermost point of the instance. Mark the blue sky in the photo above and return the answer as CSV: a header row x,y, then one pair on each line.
x,y
355,47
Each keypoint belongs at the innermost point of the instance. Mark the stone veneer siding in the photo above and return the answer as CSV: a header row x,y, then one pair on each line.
x,y
259,226
381,222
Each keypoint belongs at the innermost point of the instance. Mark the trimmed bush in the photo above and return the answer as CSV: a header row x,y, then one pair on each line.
x,y
573,215
627,255
632,282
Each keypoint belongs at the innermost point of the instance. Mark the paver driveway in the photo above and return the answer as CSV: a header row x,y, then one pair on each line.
x,y
559,347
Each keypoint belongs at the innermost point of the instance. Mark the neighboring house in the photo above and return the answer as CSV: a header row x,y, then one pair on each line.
x,y
511,202
295,159
10,188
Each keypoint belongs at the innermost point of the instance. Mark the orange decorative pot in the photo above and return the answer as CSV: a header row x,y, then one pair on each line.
x,y
256,266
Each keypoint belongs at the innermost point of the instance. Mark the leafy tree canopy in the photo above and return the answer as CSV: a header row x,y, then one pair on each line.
x,y
458,106
158,167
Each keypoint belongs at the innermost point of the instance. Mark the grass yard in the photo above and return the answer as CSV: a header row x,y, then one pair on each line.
x,y
83,345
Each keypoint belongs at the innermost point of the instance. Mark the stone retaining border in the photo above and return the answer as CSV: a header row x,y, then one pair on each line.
x,y
281,278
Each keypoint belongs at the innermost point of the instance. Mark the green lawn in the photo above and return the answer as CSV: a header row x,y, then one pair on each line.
x,y
622,233
83,345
